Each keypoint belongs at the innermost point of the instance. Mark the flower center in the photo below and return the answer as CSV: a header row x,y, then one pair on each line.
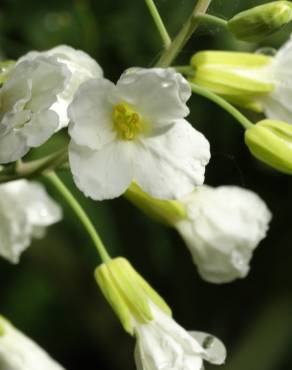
x,y
127,121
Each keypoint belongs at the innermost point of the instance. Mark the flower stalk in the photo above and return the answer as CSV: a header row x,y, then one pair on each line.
x,y
159,23
76,207
184,34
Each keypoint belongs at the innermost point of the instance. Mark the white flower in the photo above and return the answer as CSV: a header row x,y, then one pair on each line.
x,y
223,227
82,68
277,105
135,131
18,352
26,98
25,211
162,344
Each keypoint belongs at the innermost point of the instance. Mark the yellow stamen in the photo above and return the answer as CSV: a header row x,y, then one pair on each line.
x,y
127,121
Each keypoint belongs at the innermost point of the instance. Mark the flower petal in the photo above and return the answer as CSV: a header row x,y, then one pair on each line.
x,y
215,349
169,165
223,228
158,94
91,112
40,128
12,147
104,173
18,352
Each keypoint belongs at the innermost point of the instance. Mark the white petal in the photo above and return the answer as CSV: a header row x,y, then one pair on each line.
x,y
169,165
158,94
18,352
164,345
215,349
25,209
91,112
225,225
12,147
278,104
48,79
14,229
102,174
40,128
40,209
82,68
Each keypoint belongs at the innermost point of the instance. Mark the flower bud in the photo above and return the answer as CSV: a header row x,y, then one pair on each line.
x,y
256,23
128,293
270,141
241,78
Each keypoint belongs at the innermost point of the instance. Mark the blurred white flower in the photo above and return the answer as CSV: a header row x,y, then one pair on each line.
x,y
26,98
25,212
135,130
18,352
162,344
222,228
82,68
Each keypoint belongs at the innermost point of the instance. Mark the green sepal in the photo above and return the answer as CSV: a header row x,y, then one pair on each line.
x,y
255,24
3,322
128,293
270,141
167,212
5,69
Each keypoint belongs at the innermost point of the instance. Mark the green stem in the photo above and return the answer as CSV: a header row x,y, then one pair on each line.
x,y
184,34
68,196
208,18
158,22
20,170
246,123
188,70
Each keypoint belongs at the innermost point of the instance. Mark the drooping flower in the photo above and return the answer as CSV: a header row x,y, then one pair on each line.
x,y
18,352
162,344
221,226
255,81
135,130
82,68
26,99
25,212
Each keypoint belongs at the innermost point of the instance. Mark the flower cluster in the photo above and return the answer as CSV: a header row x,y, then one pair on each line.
x,y
133,138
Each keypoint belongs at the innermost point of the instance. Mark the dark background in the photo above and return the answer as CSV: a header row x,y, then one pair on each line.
x,y
52,296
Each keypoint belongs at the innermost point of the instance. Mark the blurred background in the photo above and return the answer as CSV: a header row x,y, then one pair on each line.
x,y
52,296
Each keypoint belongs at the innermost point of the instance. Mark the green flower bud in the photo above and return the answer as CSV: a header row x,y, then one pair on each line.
x,y
5,69
167,212
128,293
271,142
240,78
256,23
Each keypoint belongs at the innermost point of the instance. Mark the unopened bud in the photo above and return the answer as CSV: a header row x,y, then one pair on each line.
x,y
240,78
254,24
270,141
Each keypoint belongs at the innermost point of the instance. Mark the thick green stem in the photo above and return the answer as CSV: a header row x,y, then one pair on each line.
x,y
68,196
158,22
246,123
184,34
